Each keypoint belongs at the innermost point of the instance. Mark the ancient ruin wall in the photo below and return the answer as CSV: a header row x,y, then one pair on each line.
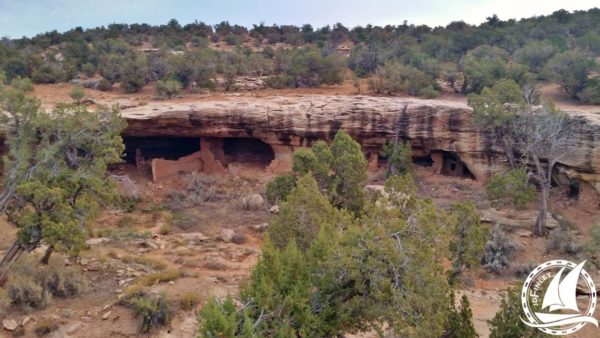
x,y
286,123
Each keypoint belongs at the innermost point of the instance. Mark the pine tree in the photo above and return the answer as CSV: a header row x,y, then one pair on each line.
x,y
302,214
55,172
460,321
507,322
470,236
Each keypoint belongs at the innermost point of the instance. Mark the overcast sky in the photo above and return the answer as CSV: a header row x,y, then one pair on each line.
x,y
30,17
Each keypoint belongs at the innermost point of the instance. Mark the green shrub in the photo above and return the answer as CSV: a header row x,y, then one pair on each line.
x,y
399,158
47,73
394,77
105,85
153,310
77,93
279,188
510,189
88,69
168,88
22,84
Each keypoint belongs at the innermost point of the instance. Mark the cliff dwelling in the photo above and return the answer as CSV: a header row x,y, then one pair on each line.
x,y
169,156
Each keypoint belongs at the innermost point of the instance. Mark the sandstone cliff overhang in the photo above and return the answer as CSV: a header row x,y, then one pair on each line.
x,y
287,123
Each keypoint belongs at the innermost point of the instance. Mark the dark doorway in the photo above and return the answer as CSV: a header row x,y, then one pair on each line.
x,y
168,148
453,166
247,150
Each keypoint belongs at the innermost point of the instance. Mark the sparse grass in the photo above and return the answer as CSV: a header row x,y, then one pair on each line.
x,y
44,327
165,229
199,189
159,277
121,234
112,254
150,262
33,285
563,241
189,300
127,221
154,208
185,220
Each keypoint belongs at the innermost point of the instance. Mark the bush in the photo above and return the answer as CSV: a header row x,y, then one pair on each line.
x,y
393,77
47,74
189,300
25,291
135,74
507,322
34,285
498,250
199,188
512,189
168,88
22,84
562,240
279,188
88,69
165,229
105,85
44,327
77,94
591,93
399,158
153,310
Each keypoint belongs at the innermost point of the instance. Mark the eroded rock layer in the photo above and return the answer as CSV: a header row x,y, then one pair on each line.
x,y
440,129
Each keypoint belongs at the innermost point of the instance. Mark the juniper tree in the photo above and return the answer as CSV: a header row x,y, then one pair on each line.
x,y
469,237
510,189
507,322
460,320
339,169
542,139
496,110
55,174
384,270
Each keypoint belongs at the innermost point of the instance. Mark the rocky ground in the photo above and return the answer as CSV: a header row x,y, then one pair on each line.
x,y
216,250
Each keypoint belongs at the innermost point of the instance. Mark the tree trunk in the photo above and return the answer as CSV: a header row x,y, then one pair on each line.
x,y
508,149
541,219
46,258
9,258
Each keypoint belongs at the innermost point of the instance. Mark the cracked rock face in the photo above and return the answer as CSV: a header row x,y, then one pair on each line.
x,y
287,123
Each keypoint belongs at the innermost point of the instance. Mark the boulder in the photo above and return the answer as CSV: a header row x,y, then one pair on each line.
x,y
97,241
226,235
10,324
274,209
253,202
193,236
260,227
